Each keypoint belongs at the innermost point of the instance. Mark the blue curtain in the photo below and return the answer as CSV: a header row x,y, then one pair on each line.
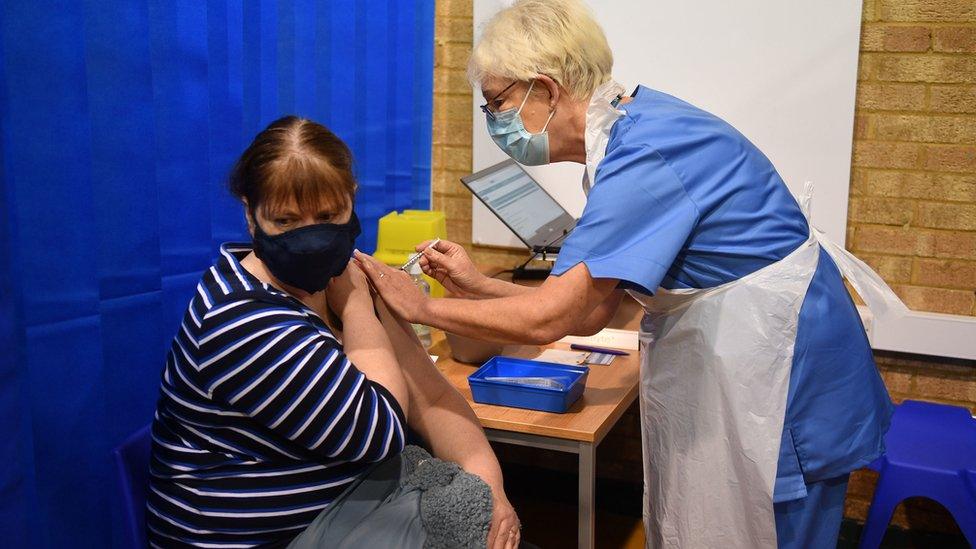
x,y
119,121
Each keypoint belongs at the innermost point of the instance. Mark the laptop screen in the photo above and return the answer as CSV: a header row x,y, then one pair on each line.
x,y
520,202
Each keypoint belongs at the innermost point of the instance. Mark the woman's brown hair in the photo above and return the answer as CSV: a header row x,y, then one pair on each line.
x,y
294,159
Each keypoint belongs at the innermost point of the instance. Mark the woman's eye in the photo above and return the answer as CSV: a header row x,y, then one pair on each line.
x,y
282,222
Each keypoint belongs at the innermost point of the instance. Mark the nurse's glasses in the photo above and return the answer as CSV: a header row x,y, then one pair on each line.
x,y
486,109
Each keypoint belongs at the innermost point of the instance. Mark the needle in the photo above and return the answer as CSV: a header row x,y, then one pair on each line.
x,y
416,257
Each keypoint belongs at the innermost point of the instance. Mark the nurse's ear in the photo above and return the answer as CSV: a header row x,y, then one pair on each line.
x,y
550,87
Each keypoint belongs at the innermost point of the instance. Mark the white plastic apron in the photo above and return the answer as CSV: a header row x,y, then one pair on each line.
x,y
600,117
715,370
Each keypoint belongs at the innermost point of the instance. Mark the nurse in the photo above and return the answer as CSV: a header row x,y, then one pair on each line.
x,y
758,394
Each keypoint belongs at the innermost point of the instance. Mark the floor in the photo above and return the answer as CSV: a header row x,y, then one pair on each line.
x,y
898,538
546,503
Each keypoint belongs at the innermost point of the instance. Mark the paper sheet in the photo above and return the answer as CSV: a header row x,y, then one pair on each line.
x,y
559,356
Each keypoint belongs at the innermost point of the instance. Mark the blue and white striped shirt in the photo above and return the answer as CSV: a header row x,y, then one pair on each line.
x,y
262,420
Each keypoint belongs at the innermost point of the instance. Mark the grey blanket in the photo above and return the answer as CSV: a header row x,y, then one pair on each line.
x,y
411,501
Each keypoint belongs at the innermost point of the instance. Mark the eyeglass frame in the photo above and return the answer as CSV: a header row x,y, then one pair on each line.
x,y
484,108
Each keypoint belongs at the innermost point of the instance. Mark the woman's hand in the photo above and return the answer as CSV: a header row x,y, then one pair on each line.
x,y
505,531
351,287
396,288
448,263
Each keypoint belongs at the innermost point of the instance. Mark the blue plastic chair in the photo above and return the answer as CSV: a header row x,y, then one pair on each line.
x,y
132,468
931,452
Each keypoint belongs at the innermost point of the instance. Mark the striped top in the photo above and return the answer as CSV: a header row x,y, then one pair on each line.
x,y
261,421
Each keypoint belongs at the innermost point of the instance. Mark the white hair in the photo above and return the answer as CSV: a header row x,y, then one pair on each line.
x,y
557,38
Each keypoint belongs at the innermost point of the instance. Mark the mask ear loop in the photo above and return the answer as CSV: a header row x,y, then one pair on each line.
x,y
526,96
551,113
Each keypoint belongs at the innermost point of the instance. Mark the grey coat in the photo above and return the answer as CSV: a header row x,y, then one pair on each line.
x,y
410,501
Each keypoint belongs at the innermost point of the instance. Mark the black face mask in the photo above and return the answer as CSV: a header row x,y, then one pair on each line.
x,y
308,257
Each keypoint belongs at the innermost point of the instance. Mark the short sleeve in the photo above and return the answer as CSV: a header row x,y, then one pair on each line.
x,y
637,219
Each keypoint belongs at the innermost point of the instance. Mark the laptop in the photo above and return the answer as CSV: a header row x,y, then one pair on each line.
x,y
521,203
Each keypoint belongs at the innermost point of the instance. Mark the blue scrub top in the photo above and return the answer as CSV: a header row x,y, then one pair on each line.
x,y
683,200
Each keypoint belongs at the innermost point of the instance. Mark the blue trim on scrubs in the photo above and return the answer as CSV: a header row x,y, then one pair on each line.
x,y
683,200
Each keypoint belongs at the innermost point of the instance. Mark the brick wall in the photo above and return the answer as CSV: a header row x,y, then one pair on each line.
x,y
912,209
913,185
452,129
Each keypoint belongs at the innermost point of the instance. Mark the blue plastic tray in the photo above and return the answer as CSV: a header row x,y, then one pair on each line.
x,y
515,395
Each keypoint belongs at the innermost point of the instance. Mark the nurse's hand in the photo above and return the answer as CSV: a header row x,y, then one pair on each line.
x,y
448,263
396,287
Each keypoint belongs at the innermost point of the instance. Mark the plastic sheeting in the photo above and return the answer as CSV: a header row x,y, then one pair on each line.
x,y
119,120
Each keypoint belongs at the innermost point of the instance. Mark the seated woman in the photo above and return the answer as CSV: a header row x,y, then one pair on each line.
x,y
267,412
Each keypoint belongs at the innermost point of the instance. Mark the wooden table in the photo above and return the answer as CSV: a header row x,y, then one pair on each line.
x,y
610,390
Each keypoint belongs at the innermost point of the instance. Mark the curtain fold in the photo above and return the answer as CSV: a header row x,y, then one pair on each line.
x,y
119,122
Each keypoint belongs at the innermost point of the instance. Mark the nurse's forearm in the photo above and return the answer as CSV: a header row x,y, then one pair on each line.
x,y
538,316
493,287
526,318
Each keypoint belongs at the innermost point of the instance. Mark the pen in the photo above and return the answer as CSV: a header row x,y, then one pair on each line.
x,y
578,347
416,257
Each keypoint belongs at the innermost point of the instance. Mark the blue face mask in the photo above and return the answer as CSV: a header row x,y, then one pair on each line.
x,y
509,133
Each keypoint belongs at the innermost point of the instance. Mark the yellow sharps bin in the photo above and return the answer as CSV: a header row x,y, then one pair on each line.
x,y
399,234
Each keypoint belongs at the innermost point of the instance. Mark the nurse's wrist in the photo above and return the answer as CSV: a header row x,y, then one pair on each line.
x,y
484,287
426,311
422,312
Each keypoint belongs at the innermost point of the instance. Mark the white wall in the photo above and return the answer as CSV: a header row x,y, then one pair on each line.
x,y
783,73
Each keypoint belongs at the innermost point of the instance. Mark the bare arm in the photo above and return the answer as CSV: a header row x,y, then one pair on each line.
x,y
449,263
601,315
439,413
368,347
491,287
365,342
443,418
541,315
593,323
